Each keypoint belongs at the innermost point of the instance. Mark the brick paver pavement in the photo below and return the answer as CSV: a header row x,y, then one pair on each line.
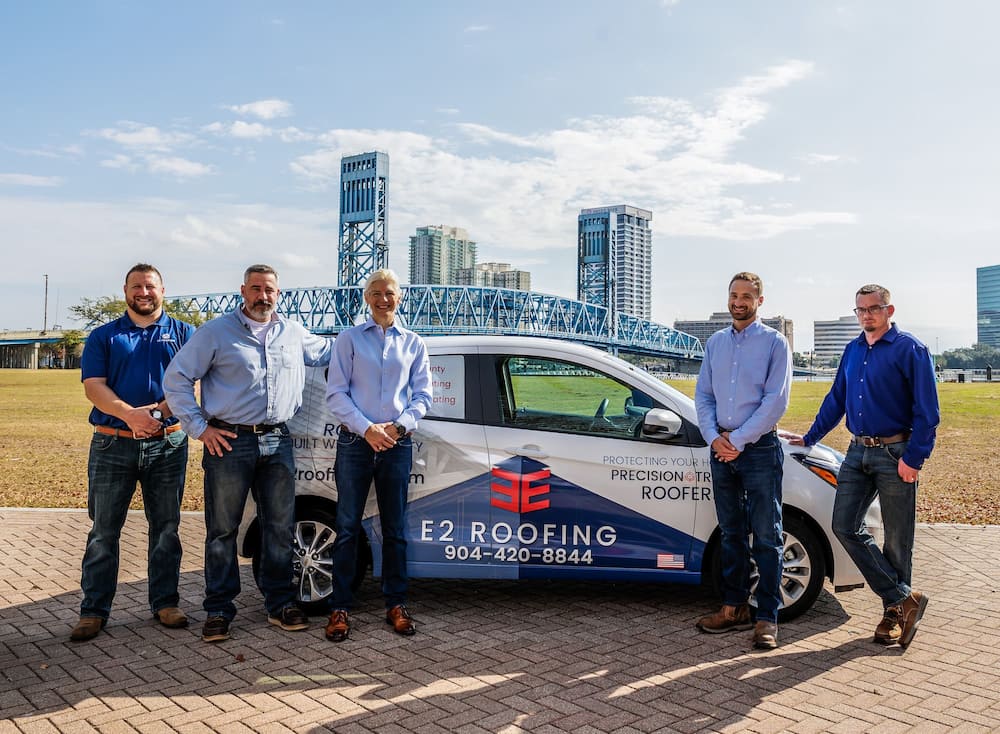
x,y
489,656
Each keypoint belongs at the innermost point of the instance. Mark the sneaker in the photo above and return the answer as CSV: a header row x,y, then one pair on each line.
x,y
401,621
216,629
87,628
291,619
171,617
727,619
912,609
890,628
765,636
339,626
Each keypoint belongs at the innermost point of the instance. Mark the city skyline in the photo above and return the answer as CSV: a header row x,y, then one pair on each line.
x,y
820,146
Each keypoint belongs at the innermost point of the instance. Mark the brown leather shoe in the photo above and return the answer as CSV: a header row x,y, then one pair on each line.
x,y
171,617
339,626
401,621
765,636
889,629
727,619
912,608
87,628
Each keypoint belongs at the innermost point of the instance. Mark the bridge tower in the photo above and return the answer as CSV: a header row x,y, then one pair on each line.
x,y
364,246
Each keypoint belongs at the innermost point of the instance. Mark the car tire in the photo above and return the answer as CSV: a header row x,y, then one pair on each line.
x,y
312,548
803,573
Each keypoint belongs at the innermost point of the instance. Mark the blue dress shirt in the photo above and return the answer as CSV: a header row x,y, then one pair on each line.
x,y
378,377
242,380
744,383
884,388
132,359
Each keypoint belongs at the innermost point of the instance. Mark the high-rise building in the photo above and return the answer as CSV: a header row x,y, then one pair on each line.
x,y
988,306
830,337
437,251
614,258
721,319
494,275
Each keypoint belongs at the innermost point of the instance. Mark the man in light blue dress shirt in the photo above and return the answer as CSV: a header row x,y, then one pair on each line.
x,y
742,392
379,387
251,364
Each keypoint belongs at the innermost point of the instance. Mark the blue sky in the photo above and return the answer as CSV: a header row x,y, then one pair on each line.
x,y
822,145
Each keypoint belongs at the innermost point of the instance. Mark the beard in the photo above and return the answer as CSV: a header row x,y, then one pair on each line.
x,y
260,310
741,314
144,308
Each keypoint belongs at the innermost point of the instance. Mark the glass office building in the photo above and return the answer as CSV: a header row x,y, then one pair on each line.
x,y
988,306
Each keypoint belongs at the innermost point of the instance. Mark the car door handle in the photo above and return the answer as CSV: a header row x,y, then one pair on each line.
x,y
531,451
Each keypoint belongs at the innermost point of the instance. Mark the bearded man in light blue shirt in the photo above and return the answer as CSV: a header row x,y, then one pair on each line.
x,y
251,364
742,392
379,387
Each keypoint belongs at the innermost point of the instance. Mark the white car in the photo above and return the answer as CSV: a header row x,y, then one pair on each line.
x,y
546,459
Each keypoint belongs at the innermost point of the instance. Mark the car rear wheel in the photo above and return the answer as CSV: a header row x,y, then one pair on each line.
x,y
312,558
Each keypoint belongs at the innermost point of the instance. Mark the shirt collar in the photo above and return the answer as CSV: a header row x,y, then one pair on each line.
x,y
755,325
125,321
370,324
889,337
250,323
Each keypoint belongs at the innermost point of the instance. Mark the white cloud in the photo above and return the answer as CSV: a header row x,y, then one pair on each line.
x,y
120,161
198,234
27,179
143,137
265,109
178,167
252,130
475,29
449,110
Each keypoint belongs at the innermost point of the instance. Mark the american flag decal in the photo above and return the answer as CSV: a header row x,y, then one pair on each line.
x,y
669,560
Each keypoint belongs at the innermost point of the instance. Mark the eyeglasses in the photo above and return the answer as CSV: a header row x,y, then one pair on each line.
x,y
873,310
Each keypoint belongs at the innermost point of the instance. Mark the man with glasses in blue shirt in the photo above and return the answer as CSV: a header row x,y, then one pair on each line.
x,y
741,393
379,387
885,385
251,364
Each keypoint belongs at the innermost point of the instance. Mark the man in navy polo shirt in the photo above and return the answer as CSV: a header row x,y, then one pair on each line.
x,y
136,439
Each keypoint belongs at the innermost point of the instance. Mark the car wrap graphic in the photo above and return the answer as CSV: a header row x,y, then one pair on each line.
x,y
522,521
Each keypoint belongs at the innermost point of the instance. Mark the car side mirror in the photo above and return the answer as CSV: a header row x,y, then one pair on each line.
x,y
661,424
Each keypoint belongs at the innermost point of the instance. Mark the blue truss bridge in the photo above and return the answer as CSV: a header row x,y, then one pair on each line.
x,y
433,310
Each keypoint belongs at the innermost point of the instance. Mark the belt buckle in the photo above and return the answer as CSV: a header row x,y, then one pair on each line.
x,y
871,442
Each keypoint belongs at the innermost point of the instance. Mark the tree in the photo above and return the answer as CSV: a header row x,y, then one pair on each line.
x,y
799,360
95,312
69,347
969,358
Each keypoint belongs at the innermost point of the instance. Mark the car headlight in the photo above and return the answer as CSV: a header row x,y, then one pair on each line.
x,y
825,467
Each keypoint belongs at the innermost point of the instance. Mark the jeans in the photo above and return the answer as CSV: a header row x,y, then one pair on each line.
x,y
159,466
748,500
357,465
263,465
868,472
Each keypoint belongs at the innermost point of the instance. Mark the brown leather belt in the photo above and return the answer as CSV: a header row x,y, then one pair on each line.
x,y
109,431
880,441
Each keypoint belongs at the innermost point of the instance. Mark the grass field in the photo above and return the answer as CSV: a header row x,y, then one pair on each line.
x,y
44,439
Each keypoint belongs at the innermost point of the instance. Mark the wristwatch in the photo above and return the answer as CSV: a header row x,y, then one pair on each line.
x,y
157,414
400,429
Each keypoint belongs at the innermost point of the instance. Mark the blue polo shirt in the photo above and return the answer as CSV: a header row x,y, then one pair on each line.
x,y
132,359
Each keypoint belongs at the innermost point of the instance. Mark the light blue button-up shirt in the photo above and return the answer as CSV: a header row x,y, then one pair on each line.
x,y
378,377
242,380
744,383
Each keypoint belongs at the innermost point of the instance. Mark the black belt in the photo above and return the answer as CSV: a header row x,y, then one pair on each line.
x,y
246,428
880,441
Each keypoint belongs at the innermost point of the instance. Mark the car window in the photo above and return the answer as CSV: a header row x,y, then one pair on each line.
x,y
448,386
555,395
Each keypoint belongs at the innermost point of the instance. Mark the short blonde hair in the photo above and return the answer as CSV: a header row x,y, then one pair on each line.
x,y
882,291
382,274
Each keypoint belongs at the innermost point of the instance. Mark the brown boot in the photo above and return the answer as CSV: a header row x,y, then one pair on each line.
x,y
912,609
171,617
889,629
765,636
339,626
727,619
87,628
